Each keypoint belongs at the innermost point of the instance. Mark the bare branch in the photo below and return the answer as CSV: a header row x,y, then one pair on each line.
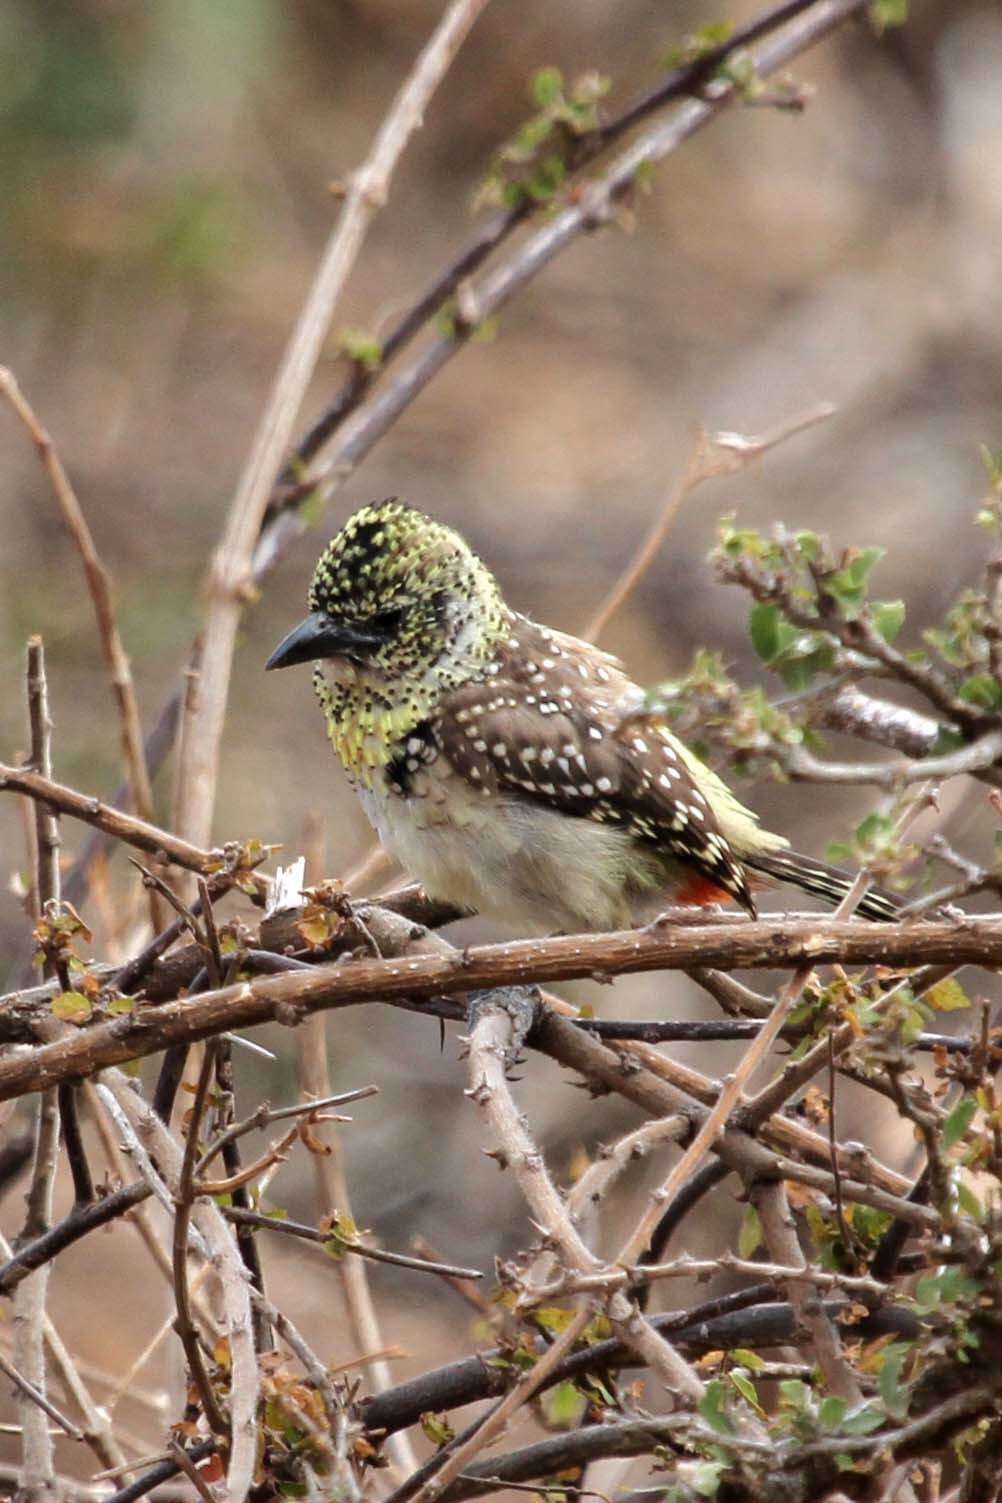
x,y
592,208
713,455
231,568
780,1236
99,584
291,996
135,832
490,1042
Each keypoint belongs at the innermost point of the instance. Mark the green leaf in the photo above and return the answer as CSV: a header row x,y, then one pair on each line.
x,y
553,1317
71,1007
884,13
343,1235
766,626
712,1407
848,584
547,86
969,1202
748,1359
947,740
437,1428
958,1121
862,1421
946,1287
873,828
563,1405
362,347
745,1387
888,617
832,1411
947,996
809,545
120,1006
794,1394
547,178
981,689
750,1235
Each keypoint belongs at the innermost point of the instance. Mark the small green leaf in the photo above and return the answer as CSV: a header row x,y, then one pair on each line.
x,y
832,1411
862,1421
873,828
958,1121
969,1202
794,1394
71,1007
884,13
981,689
947,740
712,1407
745,1387
947,996
706,1477
745,1358
547,86
120,1006
809,545
563,1405
848,584
553,1317
750,1235
437,1428
888,617
765,623
343,1235
362,347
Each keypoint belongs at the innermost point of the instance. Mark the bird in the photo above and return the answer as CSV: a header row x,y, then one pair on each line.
x,y
510,768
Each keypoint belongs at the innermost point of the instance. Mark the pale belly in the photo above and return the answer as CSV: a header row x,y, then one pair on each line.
x,y
526,866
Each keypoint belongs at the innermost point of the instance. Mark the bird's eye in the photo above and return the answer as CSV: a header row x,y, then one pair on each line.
x,y
388,621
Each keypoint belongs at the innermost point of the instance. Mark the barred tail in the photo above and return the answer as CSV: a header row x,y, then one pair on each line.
x,y
823,881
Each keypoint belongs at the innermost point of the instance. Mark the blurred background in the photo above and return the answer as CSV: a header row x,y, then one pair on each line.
x,y
166,176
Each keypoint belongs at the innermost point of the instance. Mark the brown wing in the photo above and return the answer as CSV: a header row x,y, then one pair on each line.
x,y
550,738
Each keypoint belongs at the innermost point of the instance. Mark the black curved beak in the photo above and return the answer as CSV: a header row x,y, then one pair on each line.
x,y
320,637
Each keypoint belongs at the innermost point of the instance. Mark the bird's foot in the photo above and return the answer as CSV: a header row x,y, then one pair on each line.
x,y
520,1003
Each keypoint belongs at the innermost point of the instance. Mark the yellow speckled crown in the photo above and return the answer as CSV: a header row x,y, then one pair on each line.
x,y
389,553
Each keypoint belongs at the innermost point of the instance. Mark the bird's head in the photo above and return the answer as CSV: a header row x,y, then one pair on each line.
x,y
400,603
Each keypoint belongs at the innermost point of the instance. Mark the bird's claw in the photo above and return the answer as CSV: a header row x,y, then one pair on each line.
x,y
521,1003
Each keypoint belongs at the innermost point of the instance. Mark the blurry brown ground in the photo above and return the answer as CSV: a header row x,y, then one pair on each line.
x,y
164,202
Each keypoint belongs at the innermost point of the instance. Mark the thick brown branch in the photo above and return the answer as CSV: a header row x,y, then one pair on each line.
x,y
294,995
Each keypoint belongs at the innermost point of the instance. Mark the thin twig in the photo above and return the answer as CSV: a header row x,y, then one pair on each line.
x,y
29,1316
47,841
187,1334
231,568
99,585
591,208
780,1237
115,822
330,1181
496,1421
38,1399
214,1237
712,455
267,1114
616,1277
345,1244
